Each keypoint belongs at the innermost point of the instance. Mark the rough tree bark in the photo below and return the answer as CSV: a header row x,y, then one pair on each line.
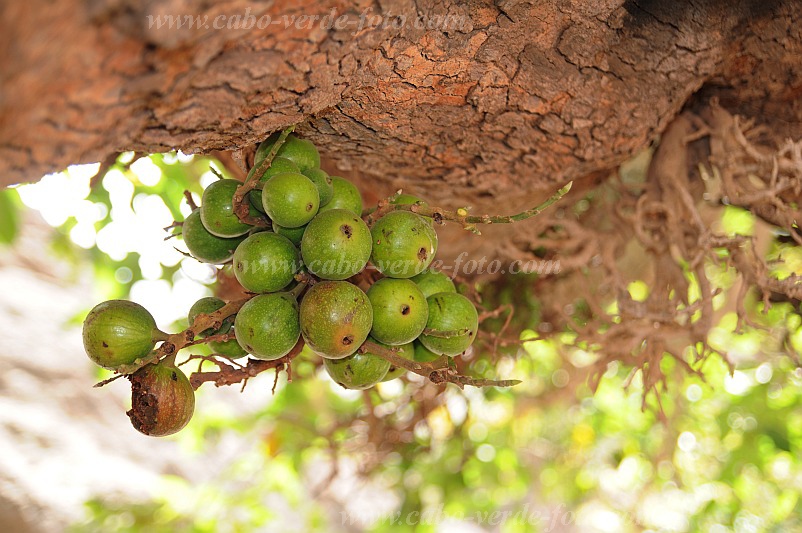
x,y
503,96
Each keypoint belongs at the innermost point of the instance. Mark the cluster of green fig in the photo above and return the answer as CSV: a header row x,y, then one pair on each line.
x,y
304,271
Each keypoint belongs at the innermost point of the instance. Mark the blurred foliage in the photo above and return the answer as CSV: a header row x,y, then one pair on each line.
x,y
9,215
410,456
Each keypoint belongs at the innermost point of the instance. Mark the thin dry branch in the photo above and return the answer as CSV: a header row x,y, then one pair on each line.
x,y
228,375
461,216
437,371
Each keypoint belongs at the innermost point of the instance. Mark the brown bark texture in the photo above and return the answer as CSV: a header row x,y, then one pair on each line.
x,y
496,101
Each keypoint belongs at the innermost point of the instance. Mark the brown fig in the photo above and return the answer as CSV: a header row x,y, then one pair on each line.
x,y
162,399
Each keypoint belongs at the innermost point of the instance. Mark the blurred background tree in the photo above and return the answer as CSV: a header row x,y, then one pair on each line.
x,y
713,447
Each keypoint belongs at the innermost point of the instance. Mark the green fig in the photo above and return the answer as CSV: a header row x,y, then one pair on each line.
x,y
323,183
400,311
345,195
302,152
267,325
359,371
290,199
454,322
336,245
118,332
431,282
336,317
404,244
208,305
266,262
217,210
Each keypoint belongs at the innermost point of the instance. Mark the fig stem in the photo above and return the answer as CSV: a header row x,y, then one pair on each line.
x,y
159,335
190,200
461,216
298,289
228,375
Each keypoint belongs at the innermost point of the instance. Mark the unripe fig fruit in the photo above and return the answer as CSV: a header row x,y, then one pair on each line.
x,y
323,183
204,246
300,151
408,199
293,234
359,371
290,199
208,305
336,317
422,353
431,282
404,244
400,311
162,399
119,332
345,195
217,210
279,165
407,352
266,262
336,244
452,313
267,325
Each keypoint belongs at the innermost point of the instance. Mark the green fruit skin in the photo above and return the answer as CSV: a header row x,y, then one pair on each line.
x,y
300,151
407,199
336,317
204,246
404,244
400,311
323,183
208,305
407,351
293,234
449,311
267,325
431,282
290,199
266,262
359,371
217,210
423,354
279,165
336,245
118,332
162,400
345,196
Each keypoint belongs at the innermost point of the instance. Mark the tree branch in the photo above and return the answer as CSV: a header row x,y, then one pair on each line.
x,y
461,216
228,375
436,371
176,341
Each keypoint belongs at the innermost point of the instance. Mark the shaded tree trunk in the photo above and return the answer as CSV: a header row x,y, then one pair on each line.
x,y
498,98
